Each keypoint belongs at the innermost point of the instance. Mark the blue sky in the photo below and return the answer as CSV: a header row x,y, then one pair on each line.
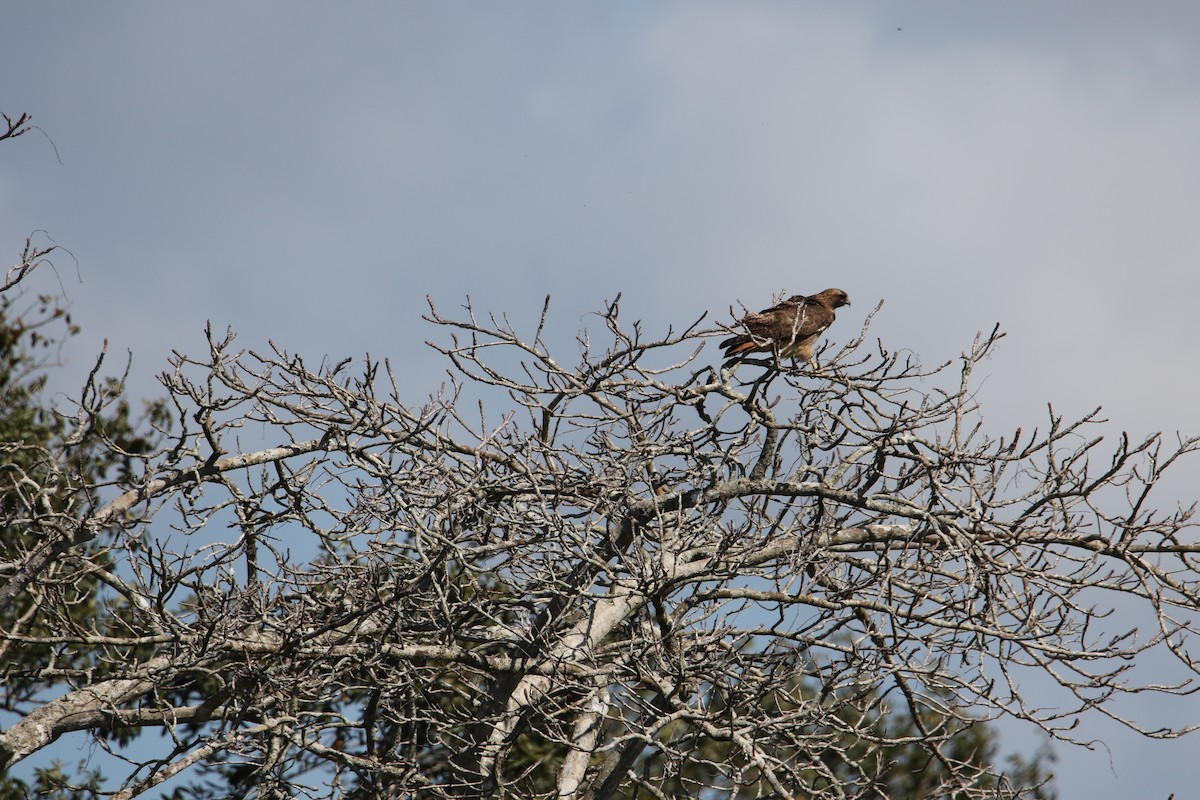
x,y
307,173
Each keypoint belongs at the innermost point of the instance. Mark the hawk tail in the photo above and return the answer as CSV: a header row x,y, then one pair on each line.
x,y
736,345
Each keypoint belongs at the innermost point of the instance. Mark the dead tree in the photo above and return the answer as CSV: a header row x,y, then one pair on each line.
x,y
590,570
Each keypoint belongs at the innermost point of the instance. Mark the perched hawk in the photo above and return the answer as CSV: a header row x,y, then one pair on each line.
x,y
790,328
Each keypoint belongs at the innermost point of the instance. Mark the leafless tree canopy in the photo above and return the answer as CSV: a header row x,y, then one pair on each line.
x,y
590,569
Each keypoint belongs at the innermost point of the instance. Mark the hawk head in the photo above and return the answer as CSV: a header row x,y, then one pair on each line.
x,y
833,298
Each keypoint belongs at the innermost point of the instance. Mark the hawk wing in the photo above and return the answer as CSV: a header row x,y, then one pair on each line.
x,y
792,327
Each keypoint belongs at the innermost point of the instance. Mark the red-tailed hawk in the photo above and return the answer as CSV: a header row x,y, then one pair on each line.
x,y
790,329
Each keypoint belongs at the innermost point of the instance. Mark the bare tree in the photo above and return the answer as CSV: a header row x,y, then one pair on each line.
x,y
607,569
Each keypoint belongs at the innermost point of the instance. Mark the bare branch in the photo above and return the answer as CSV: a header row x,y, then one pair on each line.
x,y
622,570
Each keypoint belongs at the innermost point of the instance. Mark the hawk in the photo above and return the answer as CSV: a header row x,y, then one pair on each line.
x,y
790,329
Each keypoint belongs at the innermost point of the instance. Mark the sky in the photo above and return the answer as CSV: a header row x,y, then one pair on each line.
x,y
307,173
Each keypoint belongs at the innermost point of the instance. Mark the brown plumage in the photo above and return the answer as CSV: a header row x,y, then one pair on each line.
x,y
790,329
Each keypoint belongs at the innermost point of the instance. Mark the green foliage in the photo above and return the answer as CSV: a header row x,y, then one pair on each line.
x,y
861,767
42,452
55,782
